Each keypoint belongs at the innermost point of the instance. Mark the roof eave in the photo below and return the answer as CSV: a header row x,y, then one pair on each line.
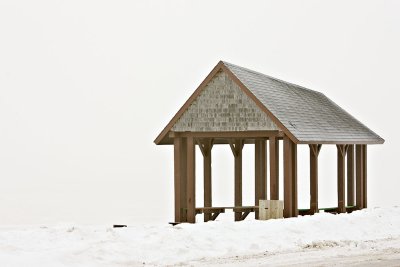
x,y
346,142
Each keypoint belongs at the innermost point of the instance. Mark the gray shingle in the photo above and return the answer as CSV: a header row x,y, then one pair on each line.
x,y
309,115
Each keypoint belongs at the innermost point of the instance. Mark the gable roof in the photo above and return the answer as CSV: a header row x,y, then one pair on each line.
x,y
306,116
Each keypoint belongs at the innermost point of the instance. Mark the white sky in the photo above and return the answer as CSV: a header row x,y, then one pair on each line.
x,y
86,86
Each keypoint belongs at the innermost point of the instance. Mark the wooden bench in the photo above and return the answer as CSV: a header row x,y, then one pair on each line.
x,y
333,210
215,211
245,210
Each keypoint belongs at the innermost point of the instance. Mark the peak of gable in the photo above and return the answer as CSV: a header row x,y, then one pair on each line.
x,y
223,106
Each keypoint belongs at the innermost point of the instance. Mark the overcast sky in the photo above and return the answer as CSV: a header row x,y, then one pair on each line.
x,y
86,86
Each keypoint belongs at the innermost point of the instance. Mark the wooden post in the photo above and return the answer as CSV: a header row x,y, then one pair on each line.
x,y
180,179
314,152
274,167
237,148
290,178
260,172
287,179
341,154
295,210
359,178
191,180
364,164
206,147
350,176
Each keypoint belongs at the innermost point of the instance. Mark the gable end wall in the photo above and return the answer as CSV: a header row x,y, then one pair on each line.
x,y
223,106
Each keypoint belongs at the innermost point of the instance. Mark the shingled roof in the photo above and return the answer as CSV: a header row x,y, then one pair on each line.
x,y
306,116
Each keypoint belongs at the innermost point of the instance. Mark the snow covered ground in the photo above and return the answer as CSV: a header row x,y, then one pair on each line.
x,y
367,237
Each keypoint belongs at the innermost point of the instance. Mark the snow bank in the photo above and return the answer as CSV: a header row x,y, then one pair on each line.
x,y
138,245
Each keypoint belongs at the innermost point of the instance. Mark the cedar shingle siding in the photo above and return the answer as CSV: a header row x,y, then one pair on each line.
x,y
222,106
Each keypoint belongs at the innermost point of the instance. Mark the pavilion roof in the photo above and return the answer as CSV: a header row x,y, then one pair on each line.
x,y
306,116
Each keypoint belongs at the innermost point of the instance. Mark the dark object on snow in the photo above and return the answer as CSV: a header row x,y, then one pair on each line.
x,y
119,225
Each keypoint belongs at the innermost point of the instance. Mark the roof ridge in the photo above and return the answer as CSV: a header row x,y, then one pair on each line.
x,y
273,78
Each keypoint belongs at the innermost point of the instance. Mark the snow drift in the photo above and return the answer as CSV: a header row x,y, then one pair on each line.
x,y
202,243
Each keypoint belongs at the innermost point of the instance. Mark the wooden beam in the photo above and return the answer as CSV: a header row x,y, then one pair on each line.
x,y
260,172
274,168
341,154
350,176
191,180
290,178
314,152
359,177
180,179
237,135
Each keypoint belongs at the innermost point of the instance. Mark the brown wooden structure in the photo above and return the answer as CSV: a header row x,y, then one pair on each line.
x,y
236,106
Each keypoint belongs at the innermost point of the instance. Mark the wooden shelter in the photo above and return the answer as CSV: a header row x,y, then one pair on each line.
x,y
236,106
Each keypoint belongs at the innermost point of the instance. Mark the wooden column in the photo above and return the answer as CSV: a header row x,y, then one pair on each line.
x,y
364,160
237,147
350,176
260,172
191,180
290,178
359,177
205,146
180,179
295,210
287,178
341,156
274,167
314,152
